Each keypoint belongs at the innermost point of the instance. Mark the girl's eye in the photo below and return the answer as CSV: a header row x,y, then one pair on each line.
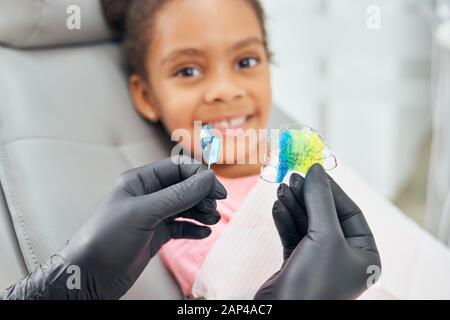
x,y
188,72
248,62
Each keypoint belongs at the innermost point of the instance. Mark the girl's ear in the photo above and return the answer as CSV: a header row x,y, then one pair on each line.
x,y
142,98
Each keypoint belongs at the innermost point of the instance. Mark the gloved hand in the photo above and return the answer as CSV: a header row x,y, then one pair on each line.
x,y
328,245
115,245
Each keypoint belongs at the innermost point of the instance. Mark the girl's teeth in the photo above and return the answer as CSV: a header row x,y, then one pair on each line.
x,y
223,124
235,122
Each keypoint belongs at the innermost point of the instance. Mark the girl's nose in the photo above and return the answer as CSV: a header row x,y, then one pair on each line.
x,y
223,89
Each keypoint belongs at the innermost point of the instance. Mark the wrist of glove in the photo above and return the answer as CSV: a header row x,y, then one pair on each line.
x,y
48,281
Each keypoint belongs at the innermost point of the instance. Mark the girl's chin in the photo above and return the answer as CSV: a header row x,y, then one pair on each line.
x,y
236,170
243,157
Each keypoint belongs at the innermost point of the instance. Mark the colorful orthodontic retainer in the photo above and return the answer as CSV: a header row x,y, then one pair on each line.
x,y
295,148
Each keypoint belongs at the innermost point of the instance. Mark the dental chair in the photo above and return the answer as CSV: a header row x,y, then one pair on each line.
x,y
67,130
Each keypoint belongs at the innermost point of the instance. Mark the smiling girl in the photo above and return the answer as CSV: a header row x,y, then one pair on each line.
x,y
199,60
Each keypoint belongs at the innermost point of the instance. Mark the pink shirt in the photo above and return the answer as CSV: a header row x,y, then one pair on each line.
x,y
185,257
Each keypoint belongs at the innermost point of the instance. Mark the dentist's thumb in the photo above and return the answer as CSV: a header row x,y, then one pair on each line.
x,y
319,204
179,197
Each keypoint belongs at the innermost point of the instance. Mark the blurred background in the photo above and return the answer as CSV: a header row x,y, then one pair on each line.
x,y
372,76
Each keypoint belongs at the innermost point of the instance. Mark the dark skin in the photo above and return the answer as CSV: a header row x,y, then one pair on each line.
x,y
207,74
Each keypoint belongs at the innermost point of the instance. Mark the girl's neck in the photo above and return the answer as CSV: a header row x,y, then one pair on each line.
x,y
232,171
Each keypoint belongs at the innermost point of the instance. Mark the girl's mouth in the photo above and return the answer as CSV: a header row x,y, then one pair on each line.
x,y
231,123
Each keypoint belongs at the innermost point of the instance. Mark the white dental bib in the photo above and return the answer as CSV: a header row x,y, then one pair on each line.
x,y
249,251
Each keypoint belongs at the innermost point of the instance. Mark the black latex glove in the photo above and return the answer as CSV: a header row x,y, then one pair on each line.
x,y
127,229
328,245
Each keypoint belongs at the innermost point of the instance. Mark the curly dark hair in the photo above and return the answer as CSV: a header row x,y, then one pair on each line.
x,y
132,20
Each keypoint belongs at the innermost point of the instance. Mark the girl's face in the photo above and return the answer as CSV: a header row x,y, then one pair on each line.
x,y
207,62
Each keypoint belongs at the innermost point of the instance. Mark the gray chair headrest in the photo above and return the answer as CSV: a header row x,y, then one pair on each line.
x,y
44,23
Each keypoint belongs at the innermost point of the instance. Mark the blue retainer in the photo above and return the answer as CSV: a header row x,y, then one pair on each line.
x,y
210,145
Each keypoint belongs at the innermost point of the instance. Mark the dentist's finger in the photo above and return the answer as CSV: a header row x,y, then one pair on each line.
x,y
354,225
205,212
285,225
297,211
174,199
208,219
187,230
151,178
296,185
207,206
319,204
